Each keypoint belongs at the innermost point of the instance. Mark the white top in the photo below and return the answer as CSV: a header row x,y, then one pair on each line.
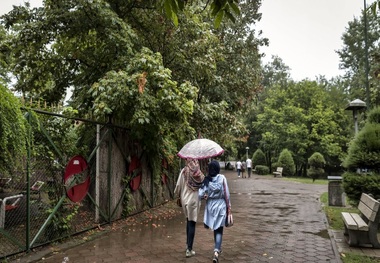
x,y
238,165
249,163
191,205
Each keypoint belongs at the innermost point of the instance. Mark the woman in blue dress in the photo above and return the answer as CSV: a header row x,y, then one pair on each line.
x,y
217,195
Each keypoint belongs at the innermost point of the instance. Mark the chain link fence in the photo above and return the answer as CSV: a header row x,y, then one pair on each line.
x,y
76,174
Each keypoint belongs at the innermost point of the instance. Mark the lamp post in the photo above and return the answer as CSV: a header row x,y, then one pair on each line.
x,y
247,148
366,53
356,105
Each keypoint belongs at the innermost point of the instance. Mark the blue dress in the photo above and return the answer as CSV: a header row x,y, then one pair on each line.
x,y
215,208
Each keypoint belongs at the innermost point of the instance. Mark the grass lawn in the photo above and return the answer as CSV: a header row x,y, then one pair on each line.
x,y
334,218
306,180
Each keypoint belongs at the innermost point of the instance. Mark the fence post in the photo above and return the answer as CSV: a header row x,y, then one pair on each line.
x,y
29,143
109,173
97,174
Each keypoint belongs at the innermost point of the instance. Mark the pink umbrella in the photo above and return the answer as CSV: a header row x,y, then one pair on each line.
x,y
200,149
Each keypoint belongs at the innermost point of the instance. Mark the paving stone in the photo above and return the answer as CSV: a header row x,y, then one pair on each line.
x,y
276,221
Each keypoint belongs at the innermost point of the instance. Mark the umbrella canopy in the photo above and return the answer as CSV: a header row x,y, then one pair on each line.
x,y
200,149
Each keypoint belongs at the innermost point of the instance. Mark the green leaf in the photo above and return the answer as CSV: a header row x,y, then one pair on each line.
x,y
235,7
219,18
181,4
168,9
215,7
175,19
230,16
174,6
373,8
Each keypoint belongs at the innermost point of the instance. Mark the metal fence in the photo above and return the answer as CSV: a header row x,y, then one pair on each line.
x,y
75,175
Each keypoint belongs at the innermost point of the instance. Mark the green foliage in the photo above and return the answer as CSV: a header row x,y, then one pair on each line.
x,y
262,169
285,160
258,158
61,224
132,67
355,184
364,150
219,9
374,115
303,118
316,164
160,111
13,133
364,153
353,57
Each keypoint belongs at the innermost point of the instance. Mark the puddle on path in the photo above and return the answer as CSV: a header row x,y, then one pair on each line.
x,y
323,233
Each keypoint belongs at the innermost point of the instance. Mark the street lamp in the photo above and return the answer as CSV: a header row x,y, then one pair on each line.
x,y
247,148
366,54
356,105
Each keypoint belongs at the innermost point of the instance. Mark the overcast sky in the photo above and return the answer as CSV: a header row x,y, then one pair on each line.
x,y
304,33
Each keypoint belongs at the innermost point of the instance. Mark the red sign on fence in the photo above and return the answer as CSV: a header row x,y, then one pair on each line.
x,y
76,178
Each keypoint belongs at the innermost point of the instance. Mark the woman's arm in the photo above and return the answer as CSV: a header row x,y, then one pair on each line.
x,y
227,192
178,187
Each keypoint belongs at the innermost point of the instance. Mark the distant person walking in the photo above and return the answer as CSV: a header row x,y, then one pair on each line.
x,y
189,181
238,167
217,195
249,167
243,169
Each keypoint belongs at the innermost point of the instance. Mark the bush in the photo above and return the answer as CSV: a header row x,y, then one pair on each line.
x,y
355,184
262,169
364,150
364,153
374,115
258,158
316,163
286,161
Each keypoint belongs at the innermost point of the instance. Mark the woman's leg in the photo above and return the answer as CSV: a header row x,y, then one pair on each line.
x,y
218,236
190,230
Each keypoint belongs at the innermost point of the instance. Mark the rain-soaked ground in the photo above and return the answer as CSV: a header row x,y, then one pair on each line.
x,y
275,221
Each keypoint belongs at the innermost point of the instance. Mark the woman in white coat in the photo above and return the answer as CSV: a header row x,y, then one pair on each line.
x,y
188,184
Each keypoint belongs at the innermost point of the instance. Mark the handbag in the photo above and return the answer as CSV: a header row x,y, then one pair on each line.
x,y
229,218
179,203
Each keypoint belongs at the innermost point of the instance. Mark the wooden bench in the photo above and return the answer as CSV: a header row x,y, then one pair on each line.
x,y
278,172
361,229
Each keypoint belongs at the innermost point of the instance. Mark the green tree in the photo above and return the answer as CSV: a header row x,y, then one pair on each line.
x,y
285,160
106,51
316,166
364,155
92,48
303,118
12,133
364,149
276,72
219,9
258,158
353,57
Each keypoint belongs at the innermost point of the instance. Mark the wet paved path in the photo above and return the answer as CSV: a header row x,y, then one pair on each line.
x,y
275,221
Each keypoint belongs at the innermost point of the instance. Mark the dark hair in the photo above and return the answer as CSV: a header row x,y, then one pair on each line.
x,y
213,170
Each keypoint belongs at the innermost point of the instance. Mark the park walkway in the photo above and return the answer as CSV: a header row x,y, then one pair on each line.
x,y
275,221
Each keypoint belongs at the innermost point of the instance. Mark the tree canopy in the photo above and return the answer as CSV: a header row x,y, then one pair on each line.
x,y
303,118
127,63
